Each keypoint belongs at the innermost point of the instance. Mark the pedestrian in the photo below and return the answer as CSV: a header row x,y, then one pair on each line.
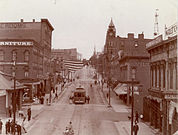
x,y
19,132
136,128
10,111
107,95
88,99
29,114
23,127
1,126
136,117
6,126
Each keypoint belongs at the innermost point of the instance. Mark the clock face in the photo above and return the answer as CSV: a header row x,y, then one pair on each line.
x,y
110,33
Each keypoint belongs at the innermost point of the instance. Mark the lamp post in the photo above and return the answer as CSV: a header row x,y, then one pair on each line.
x,y
132,113
14,97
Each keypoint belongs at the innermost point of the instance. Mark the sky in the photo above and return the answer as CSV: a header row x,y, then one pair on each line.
x,y
83,24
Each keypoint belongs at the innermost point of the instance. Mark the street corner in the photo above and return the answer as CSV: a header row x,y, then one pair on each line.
x,y
124,128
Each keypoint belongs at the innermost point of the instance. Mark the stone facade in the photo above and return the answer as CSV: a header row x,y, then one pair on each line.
x,y
163,93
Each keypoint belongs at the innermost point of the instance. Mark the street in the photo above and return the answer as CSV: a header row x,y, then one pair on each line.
x,y
94,118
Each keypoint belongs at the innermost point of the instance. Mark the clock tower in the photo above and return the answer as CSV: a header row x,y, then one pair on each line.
x,y
110,36
111,32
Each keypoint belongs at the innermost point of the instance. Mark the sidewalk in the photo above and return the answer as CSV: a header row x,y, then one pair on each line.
x,y
124,127
36,109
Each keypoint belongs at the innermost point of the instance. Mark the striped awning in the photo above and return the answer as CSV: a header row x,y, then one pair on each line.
x,y
73,65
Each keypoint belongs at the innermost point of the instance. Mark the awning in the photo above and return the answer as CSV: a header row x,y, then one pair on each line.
x,y
121,89
9,84
173,107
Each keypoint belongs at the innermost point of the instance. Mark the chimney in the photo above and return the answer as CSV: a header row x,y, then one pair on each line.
x,y
141,36
33,20
21,20
130,36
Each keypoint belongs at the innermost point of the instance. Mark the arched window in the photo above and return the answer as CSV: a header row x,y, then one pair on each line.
x,y
26,56
1,55
14,55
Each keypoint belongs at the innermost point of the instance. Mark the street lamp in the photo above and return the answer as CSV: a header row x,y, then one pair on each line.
x,y
132,82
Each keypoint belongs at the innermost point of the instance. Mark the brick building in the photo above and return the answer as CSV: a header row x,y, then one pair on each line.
x,y
29,45
161,105
122,55
65,54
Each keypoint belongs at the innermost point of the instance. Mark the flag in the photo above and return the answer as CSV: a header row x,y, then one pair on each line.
x,y
73,65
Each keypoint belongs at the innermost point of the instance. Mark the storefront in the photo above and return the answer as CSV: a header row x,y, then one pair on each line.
x,y
6,95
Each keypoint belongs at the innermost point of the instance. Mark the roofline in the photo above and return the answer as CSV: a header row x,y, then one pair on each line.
x,y
46,20
162,42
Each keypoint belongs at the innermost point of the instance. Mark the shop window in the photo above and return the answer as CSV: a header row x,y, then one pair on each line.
x,y
14,56
26,55
1,55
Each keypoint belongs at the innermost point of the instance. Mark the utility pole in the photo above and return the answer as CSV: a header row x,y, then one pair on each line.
x,y
14,97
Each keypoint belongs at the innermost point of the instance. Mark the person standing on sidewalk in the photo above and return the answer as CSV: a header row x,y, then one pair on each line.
x,y
29,114
136,128
136,117
1,126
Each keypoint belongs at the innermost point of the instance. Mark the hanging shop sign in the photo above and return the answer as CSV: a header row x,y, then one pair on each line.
x,y
16,43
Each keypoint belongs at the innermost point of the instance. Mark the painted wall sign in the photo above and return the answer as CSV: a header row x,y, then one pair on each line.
x,y
16,43
171,96
171,31
154,41
12,25
12,63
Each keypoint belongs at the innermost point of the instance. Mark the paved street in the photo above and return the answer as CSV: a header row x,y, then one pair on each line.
x,y
94,118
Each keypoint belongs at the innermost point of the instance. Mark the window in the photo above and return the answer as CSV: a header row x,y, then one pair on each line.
x,y
1,55
171,76
164,75
155,76
14,55
152,76
26,55
26,74
13,73
2,68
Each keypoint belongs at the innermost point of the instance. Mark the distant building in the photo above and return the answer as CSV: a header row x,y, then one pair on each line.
x,y
28,44
161,105
121,56
65,54
69,61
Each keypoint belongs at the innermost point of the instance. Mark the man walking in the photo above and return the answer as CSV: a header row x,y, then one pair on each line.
x,y
29,113
1,126
88,99
136,128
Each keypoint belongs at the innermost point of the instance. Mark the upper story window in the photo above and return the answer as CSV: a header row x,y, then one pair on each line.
x,y
1,55
26,56
14,55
